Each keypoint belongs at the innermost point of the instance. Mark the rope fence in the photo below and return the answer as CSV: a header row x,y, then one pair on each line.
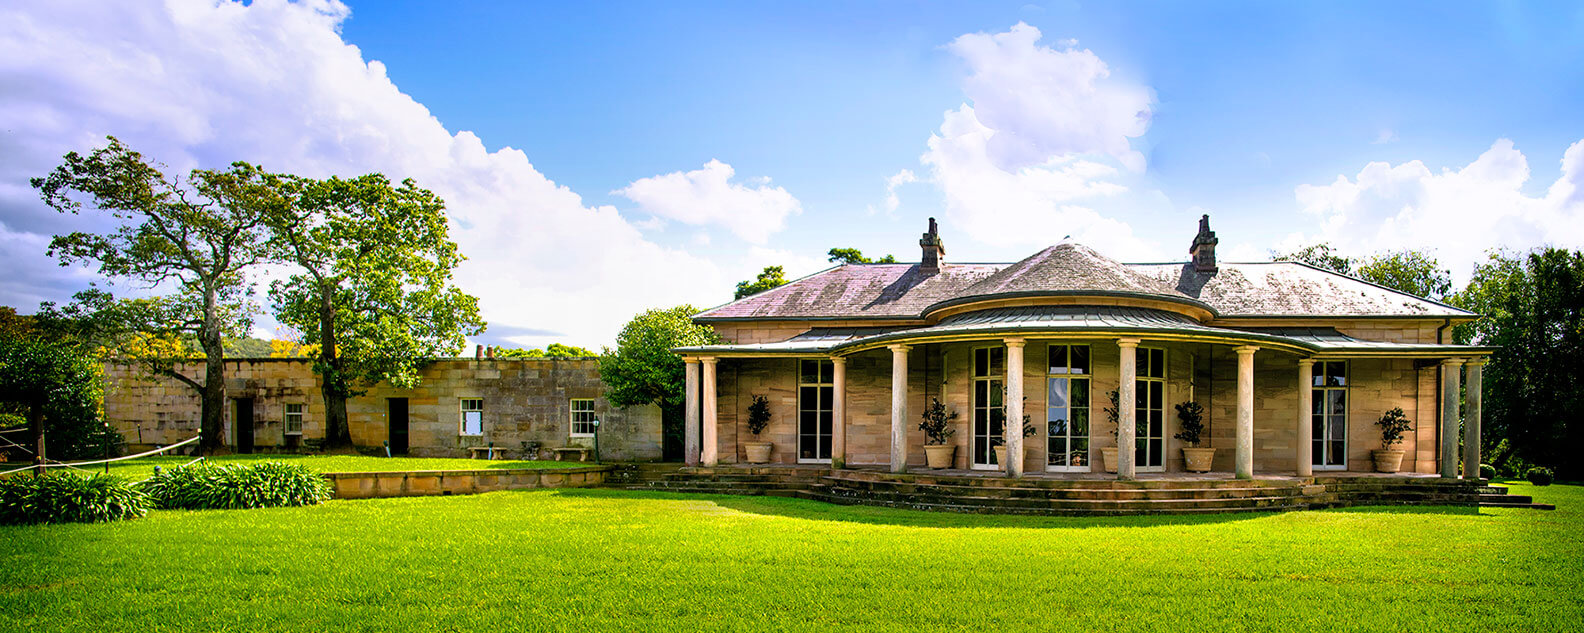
x,y
105,461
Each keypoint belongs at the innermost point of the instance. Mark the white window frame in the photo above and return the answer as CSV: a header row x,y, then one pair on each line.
x,y
1069,376
822,405
572,429
1319,394
463,410
289,415
1141,385
994,383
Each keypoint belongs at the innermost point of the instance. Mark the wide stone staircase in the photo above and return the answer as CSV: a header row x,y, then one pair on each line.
x,y
1040,496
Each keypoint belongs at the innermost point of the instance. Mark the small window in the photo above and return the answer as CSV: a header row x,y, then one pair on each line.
x,y
582,417
472,416
294,417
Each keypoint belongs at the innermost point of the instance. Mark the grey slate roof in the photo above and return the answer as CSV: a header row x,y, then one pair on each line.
x,y
900,291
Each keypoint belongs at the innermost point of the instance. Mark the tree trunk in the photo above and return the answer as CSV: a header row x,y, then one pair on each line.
x,y
36,429
332,381
213,395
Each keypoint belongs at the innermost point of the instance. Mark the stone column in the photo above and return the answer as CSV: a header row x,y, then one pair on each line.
x,y
1471,421
711,449
1305,452
690,416
1245,412
1013,430
1127,405
838,412
1451,383
899,398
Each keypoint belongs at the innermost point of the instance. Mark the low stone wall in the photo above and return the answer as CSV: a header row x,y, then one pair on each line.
x,y
420,483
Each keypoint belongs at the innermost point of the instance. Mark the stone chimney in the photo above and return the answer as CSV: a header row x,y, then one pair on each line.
x,y
1203,249
934,251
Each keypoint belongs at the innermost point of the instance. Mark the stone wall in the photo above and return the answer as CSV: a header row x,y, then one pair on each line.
x,y
459,482
525,400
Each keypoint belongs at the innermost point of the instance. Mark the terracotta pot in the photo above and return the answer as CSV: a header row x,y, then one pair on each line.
x,y
939,455
1387,460
1000,452
1109,456
1197,460
757,452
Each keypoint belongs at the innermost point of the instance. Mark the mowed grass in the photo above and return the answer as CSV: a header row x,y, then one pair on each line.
x,y
144,466
598,560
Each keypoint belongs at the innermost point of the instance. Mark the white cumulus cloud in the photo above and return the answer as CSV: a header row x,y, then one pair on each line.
x,y
707,196
202,83
1456,213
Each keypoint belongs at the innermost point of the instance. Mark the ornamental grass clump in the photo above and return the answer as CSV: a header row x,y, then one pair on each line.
x,y
206,486
69,498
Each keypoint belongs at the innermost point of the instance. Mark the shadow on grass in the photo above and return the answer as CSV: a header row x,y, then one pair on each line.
x,y
811,510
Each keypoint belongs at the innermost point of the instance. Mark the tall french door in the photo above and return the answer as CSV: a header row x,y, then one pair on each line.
x,y
816,392
1329,409
989,414
1067,409
1149,433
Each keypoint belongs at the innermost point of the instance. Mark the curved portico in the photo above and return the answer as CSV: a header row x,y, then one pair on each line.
x,y
851,357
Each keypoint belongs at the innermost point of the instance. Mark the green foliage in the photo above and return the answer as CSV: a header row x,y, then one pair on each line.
x,y
770,277
1393,424
200,235
642,369
1114,411
1540,476
69,498
1320,256
1533,307
1191,415
855,256
1413,272
54,383
373,287
1487,471
758,415
204,486
937,424
554,350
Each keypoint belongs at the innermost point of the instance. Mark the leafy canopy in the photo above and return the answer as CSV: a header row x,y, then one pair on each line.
x,y
855,256
554,350
642,369
770,277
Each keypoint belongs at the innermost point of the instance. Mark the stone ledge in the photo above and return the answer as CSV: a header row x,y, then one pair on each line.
x,y
418,483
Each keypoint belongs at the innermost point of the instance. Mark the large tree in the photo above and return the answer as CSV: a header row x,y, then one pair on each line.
x,y
373,296
855,256
770,277
195,239
57,388
642,369
1413,272
1320,255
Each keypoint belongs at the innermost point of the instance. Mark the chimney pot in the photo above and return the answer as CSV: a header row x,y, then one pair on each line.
x,y
1203,248
934,250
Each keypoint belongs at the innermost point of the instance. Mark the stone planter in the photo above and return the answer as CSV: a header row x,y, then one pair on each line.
x,y
1197,460
1000,453
1109,456
757,452
939,456
1387,460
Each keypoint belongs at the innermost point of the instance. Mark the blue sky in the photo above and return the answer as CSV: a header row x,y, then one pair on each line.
x,y
600,159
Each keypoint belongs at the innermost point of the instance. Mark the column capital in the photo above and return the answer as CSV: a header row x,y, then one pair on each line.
x,y
1127,343
1306,361
1015,342
708,360
691,360
898,347
1452,362
1247,350
838,360
1478,361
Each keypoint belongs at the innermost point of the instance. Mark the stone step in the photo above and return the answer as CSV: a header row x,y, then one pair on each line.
x,y
1491,490
1136,505
1505,499
1094,484
1039,511
1530,506
1098,494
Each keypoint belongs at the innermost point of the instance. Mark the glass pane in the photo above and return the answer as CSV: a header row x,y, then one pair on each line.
x,y
997,395
1078,453
806,422
808,398
1058,359
806,444
808,371
997,422
1317,402
1156,394
1338,429
1140,453
997,361
1058,392
1337,399
1317,454
1057,453
1157,363
1157,420
1080,359
1335,458
824,447
1080,393
982,420
981,362
825,419
1141,361
1317,430
1155,449
1080,423
1336,374
827,372
1140,395
1058,428
981,392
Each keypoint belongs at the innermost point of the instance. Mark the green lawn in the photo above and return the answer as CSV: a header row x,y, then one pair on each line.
x,y
595,560
144,466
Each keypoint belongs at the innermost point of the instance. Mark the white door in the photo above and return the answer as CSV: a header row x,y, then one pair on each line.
x,y
1329,409
989,414
1067,409
1149,433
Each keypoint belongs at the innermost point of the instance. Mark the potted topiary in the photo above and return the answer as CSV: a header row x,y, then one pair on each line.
x,y
937,428
1113,414
758,418
1028,432
1195,459
1393,425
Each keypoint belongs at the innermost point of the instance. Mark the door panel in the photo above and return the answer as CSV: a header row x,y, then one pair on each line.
x,y
398,425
